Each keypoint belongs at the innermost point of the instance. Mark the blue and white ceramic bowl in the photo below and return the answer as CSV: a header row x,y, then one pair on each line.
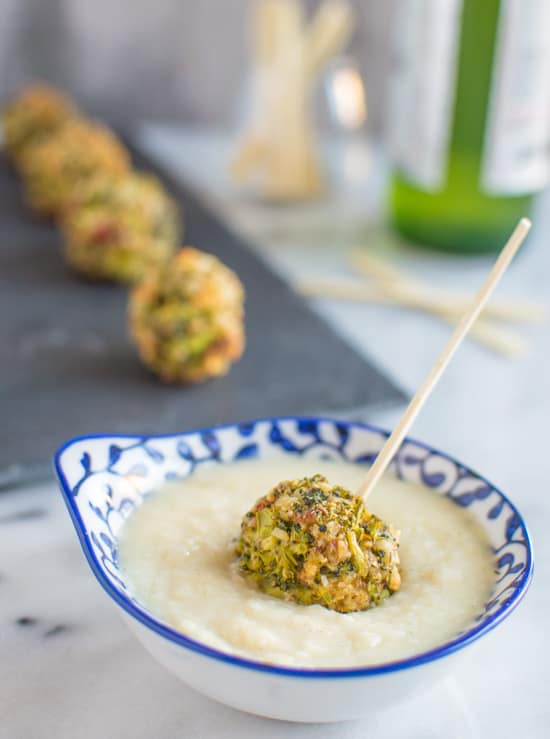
x,y
103,478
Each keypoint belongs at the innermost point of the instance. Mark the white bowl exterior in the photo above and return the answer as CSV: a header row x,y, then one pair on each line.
x,y
105,478
292,698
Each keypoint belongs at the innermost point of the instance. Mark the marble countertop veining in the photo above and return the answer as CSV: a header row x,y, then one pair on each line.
x,y
69,668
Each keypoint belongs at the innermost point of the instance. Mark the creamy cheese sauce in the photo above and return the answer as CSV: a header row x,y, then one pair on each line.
x,y
177,552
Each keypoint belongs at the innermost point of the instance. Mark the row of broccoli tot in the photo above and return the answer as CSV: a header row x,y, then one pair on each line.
x,y
185,312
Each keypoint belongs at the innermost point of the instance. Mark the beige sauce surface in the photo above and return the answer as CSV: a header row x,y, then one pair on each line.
x,y
177,552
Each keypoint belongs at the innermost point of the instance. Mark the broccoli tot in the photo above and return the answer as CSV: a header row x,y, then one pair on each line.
x,y
119,227
311,542
186,318
53,167
37,111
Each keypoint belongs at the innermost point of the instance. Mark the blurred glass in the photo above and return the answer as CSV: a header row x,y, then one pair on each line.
x,y
345,92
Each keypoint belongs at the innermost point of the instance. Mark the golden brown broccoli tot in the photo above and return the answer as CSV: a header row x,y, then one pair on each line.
x,y
54,166
187,318
311,542
33,114
119,227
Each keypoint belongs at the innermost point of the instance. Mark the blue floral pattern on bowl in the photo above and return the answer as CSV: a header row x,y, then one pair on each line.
x,y
103,478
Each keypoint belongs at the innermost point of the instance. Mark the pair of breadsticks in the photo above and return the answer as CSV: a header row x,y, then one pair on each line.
x,y
388,285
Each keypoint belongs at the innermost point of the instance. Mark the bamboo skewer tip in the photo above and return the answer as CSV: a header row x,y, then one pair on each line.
x,y
395,439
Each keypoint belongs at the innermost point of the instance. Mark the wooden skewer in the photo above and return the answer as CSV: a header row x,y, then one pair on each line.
x,y
394,441
505,342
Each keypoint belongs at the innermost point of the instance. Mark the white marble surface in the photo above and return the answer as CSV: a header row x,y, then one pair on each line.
x,y
74,670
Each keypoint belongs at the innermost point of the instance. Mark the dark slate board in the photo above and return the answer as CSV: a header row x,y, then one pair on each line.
x,y
67,367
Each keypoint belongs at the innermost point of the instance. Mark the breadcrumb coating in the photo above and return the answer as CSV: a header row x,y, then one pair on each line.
x,y
37,111
312,542
120,227
54,166
187,319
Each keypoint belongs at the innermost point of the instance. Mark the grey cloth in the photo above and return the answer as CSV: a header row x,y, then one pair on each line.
x,y
67,367
180,59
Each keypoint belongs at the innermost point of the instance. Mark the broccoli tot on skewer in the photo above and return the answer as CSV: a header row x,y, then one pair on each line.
x,y
311,542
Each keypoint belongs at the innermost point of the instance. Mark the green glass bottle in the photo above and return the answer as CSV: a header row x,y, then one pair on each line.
x,y
471,120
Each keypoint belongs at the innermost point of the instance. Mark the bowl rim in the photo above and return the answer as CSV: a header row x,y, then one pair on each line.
x,y
464,639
